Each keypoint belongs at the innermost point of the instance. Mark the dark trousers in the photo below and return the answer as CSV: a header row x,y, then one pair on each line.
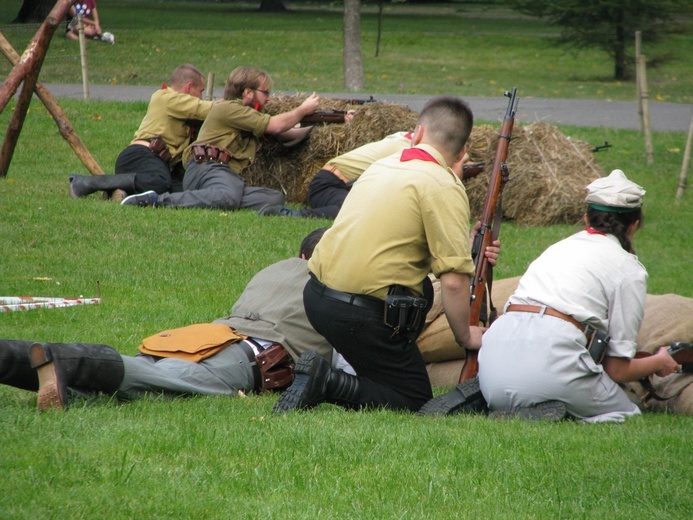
x,y
390,368
326,194
216,185
151,173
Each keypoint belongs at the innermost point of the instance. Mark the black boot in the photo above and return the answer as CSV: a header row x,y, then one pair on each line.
x,y
344,389
94,368
83,185
15,367
309,388
464,398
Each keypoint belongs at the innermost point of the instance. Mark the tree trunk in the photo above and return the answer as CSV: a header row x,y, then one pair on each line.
x,y
34,11
272,6
620,67
353,65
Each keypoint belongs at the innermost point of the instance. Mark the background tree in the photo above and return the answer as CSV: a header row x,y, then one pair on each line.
x,y
272,6
34,11
609,25
353,63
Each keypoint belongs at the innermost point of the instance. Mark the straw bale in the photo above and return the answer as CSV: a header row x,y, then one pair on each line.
x,y
548,174
290,169
548,170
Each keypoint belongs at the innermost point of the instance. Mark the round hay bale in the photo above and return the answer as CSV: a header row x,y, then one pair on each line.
x,y
548,171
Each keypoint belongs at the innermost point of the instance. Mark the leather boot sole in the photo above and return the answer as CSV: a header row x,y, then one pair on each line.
x,y
308,388
465,397
546,411
49,396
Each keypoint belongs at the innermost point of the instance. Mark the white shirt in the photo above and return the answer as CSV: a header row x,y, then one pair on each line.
x,y
593,279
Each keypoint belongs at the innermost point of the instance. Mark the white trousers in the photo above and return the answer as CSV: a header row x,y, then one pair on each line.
x,y
527,358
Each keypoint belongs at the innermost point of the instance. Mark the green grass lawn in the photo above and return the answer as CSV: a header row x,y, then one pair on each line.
x,y
231,458
461,49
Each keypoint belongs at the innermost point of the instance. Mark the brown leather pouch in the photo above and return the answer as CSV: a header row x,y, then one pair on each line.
x,y
276,366
199,153
158,147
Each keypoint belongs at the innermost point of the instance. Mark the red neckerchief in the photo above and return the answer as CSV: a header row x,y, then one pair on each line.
x,y
410,154
164,86
593,231
408,135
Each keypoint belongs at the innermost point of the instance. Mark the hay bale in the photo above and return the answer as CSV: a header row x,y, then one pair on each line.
x,y
548,174
291,169
548,171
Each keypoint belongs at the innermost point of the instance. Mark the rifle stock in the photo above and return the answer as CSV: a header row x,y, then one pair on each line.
x,y
471,170
324,116
488,233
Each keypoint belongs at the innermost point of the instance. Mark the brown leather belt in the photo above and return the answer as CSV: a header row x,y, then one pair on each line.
x,y
206,153
335,171
157,146
538,309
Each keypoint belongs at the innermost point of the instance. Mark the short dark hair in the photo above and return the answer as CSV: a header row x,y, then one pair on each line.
x,y
310,241
242,78
448,121
186,73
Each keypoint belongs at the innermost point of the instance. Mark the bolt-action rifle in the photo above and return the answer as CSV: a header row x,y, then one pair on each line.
x,y
480,289
332,116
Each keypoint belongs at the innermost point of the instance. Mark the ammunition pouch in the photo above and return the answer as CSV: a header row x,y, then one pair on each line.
x,y
276,366
404,313
206,153
159,148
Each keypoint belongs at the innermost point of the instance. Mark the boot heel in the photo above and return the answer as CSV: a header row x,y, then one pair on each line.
x,y
49,396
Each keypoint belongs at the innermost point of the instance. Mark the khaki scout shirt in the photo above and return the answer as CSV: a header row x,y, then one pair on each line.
x,y
167,115
401,221
352,164
234,127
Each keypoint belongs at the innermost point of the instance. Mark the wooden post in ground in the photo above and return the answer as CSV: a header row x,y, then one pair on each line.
x,y
83,56
638,50
641,80
210,86
686,159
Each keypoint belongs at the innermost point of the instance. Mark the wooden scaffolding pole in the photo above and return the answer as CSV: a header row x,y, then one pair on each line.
x,y
55,110
686,159
643,97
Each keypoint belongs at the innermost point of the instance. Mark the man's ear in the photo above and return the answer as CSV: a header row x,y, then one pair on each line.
x,y
187,87
418,135
462,153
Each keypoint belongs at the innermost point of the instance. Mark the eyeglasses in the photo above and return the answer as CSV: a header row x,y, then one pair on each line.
x,y
265,92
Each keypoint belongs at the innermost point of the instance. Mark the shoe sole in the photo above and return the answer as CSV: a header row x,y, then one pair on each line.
x,y
461,399
293,398
73,194
546,411
118,195
49,397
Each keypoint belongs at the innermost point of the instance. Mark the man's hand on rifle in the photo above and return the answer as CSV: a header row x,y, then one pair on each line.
x,y
492,252
459,165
